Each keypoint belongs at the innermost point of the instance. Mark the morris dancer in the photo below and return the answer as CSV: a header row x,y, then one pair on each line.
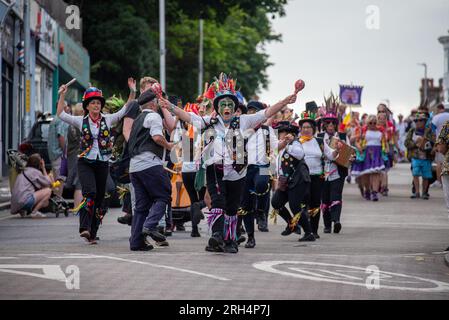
x,y
225,157
256,193
332,196
314,160
293,181
93,163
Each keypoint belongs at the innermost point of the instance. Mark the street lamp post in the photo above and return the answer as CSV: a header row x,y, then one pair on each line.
x,y
200,59
162,42
425,80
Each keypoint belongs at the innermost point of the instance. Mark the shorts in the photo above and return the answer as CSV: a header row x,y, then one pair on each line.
x,y
422,168
439,158
29,204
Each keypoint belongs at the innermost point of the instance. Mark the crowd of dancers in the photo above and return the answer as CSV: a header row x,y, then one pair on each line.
x,y
237,161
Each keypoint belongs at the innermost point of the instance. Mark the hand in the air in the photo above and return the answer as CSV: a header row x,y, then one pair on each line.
x,y
132,84
63,89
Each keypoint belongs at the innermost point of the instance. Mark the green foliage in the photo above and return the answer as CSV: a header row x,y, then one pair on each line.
x,y
123,40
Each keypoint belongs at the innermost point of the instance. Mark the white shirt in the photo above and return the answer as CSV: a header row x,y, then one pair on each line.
x,y
373,138
330,168
295,149
180,136
77,121
439,120
217,152
313,157
148,159
257,154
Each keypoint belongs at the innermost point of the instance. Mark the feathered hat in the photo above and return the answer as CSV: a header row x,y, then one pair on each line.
x,y
93,93
191,107
224,87
328,112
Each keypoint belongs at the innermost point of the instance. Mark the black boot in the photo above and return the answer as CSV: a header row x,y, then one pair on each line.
x,y
251,243
288,231
216,243
337,227
126,219
308,237
231,247
195,233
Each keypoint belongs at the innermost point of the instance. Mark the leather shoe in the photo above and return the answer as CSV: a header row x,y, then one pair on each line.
x,y
146,247
156,236
307,238
337,227
126,219
251,243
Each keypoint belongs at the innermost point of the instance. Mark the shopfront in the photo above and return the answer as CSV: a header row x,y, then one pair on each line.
x,y
74,62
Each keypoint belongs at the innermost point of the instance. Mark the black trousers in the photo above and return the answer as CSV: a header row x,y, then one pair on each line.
x,y
224,194
256,196
93,176
331,201
188,179
314,201
297,200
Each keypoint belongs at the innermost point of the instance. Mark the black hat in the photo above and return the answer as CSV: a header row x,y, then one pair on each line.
x,y
287,126
243,108
146,97
312,107
93,93
256,105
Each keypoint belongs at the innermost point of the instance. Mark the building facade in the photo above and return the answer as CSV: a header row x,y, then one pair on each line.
x,y
444,40
56,56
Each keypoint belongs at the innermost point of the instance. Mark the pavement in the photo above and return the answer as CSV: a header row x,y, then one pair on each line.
x,y
392,249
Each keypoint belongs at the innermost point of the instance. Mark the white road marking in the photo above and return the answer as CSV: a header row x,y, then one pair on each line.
x,y
7,258
50,272
83,256
269,266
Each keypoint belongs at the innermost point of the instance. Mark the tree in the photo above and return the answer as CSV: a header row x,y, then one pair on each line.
x,y
123,40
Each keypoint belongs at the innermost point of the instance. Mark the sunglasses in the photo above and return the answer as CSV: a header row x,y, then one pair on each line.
x,y
372,123
419,120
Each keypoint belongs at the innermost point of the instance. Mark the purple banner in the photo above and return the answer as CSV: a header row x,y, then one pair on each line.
x,y
351,95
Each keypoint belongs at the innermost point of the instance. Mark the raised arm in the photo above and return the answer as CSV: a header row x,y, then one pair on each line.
x,y
271,111
61,101
181,114
132,85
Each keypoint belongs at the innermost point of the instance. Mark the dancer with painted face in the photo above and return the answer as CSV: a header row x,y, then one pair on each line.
x,y
293,181
95,152
255,203
225,157
334,174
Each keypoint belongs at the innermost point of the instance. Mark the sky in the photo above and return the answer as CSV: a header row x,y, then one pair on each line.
x,y
327,43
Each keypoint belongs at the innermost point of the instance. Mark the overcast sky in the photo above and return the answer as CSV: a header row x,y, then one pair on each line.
x,y
327,43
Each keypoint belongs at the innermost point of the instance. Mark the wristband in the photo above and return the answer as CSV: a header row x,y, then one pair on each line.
x,y
172,108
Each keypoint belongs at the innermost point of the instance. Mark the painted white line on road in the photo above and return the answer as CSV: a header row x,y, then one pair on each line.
x,y
317,272
32,255
50,272
7,258
143,263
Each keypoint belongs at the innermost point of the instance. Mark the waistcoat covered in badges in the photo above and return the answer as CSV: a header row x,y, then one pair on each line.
x,y
237,144
87,140
288,164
